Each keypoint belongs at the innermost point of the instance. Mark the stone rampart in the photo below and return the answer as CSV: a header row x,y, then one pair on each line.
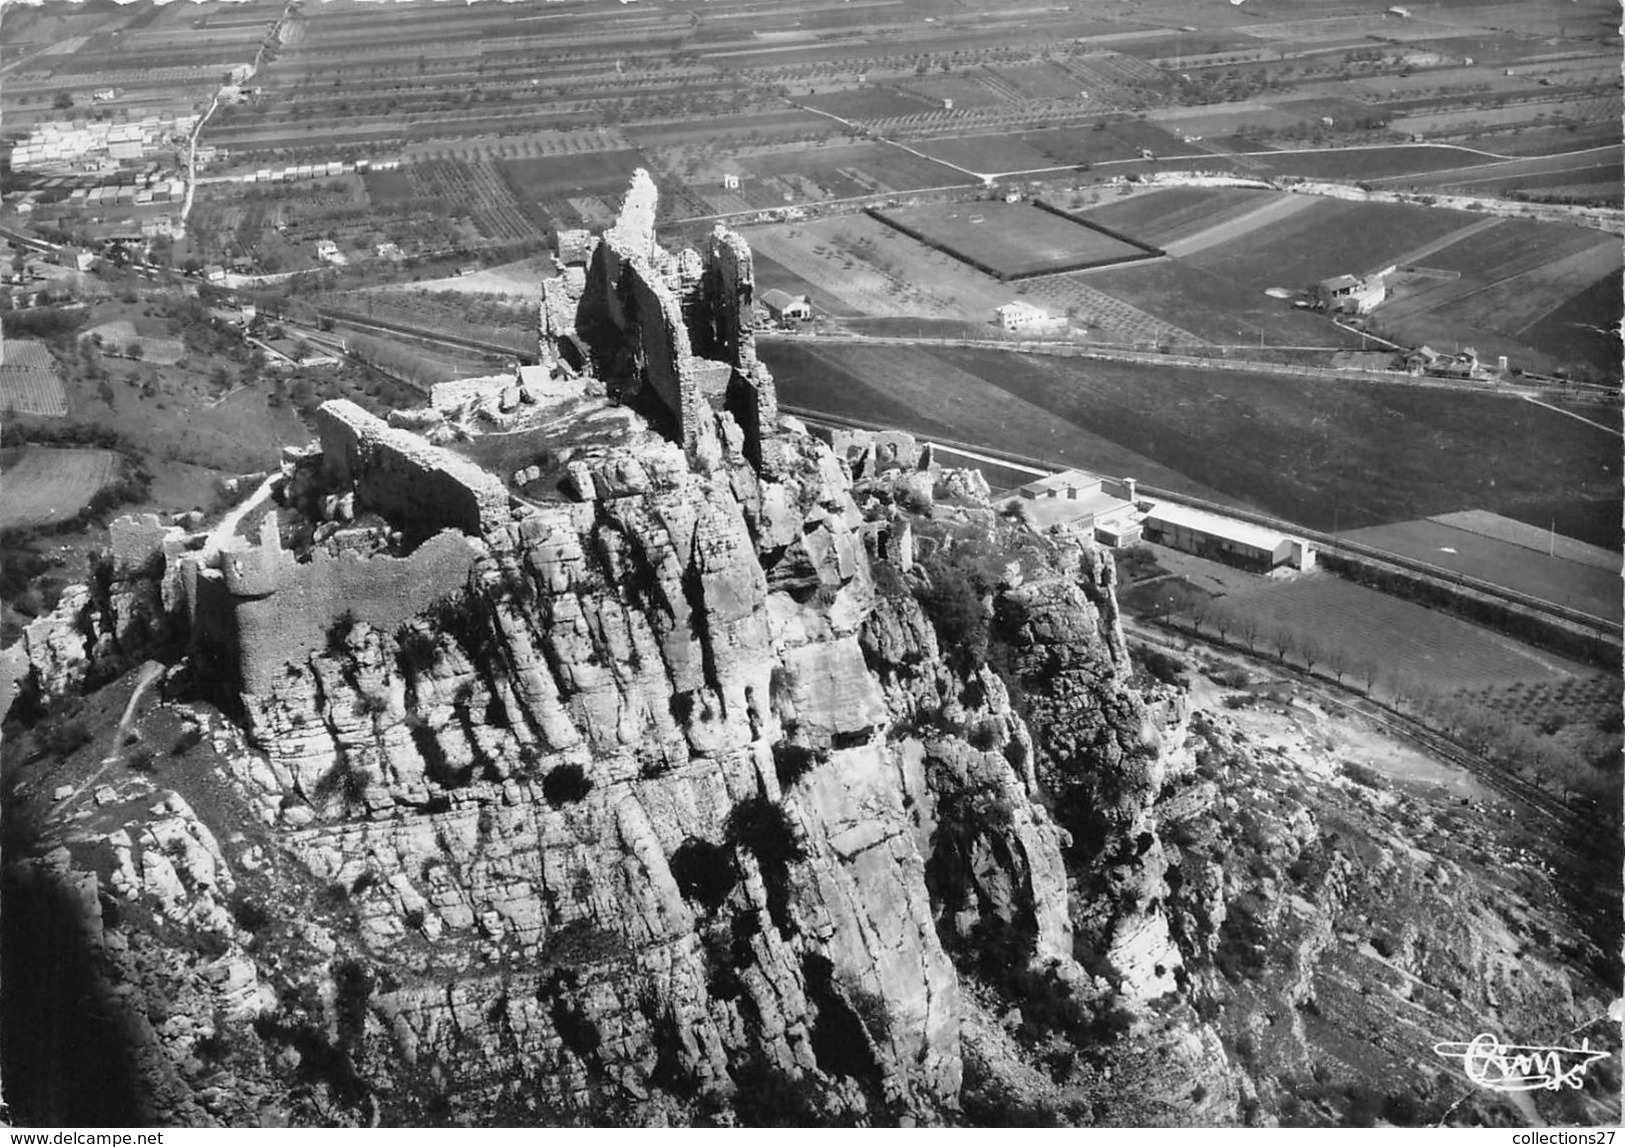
x,y
261,610
420,489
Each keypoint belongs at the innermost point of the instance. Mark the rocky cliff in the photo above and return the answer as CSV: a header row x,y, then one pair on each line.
x,y
668,768
668,806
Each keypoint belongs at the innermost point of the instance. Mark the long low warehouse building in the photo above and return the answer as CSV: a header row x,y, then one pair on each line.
x,y
1225,539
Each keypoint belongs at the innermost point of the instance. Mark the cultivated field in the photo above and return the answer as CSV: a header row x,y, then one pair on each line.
x,y
1103,317
29,382
1333,457
1388,164
1514,288
1578,705
44,485
1011,240
1515,303
1406,640
874,269
1331,237
920,392
1215,308
1169,214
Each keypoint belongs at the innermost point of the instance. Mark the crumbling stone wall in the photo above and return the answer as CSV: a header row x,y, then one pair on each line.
x,y
419,488
261,609
678,326
668,362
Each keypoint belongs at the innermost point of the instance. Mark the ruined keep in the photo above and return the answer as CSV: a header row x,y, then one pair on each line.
x,y
670,333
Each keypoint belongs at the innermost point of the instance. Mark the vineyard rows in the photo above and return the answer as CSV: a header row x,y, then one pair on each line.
x,y
29,383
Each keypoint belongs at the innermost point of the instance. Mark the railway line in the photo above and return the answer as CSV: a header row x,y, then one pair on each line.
x,y
457,342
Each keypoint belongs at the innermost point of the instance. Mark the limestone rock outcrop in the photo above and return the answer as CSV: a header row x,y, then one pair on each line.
x,y
648,770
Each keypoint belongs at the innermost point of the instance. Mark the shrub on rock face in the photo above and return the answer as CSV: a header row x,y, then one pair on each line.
x,y
792,762
417,651
565,785
762,827
704,872
338,632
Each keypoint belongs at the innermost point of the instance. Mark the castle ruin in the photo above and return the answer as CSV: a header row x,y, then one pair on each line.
x,y
379,522
670,333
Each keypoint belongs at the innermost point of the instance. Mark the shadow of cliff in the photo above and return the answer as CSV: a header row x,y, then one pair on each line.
x,y
68,1048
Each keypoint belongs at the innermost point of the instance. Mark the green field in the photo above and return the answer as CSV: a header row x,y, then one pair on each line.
x,y
1332,456
1511,247
44,485
1163,216
1333,237
1403,639
585,173
913,390
1213,307
886,168
30,382
1011,239
1371,162
875,102
991,153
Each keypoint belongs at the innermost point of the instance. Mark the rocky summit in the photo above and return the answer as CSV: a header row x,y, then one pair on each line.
x,y
595,745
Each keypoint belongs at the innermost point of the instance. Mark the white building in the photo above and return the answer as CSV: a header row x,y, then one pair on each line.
x,y
1020,316
1353,294
1105,506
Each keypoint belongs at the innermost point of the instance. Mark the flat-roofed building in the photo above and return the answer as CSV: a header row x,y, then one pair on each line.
x,y
1225,539
1088,501
1020,316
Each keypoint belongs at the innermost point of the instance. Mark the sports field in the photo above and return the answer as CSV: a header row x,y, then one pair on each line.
x,y
1521,558
1011,240
44,485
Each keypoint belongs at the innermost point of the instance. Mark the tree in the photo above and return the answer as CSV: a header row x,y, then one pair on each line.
x,y
1247,625
1281,640
1337,660
1199,606
1310,652
136,351
63,101
1223,619
1369,672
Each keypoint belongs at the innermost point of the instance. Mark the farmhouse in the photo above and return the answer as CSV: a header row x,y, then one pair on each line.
x,y
1020,316
783,306
1225,539
1088,501
1354,294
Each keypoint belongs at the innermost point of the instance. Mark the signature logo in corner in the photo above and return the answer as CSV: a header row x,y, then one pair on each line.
x,y
1499,1066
